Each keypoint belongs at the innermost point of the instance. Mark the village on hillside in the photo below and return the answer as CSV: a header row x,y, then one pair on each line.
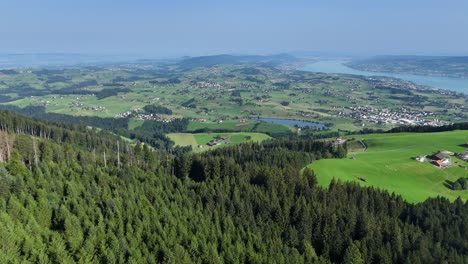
x,y
137,113
402,116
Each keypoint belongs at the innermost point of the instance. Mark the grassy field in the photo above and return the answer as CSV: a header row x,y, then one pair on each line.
x,y
194,140
228,125
134,123
235,126
388,163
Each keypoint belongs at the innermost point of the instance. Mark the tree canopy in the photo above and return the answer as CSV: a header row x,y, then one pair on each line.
x,y
70,194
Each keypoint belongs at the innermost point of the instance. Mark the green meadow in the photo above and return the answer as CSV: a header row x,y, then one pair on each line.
x,y
388,163
194,140
235,126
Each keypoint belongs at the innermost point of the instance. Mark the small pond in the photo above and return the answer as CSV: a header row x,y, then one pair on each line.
x,y
290,122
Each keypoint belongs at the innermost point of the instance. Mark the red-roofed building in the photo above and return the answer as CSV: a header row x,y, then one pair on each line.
x,y
441,163
438,163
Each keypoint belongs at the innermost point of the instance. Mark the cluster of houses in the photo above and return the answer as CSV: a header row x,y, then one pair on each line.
x,y
94,108
125,114
138,115
206,84
442,158
218,141
400,116
203,120
154,117
85,107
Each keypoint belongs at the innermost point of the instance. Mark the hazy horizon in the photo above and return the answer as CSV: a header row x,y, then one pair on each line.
x,y
180,28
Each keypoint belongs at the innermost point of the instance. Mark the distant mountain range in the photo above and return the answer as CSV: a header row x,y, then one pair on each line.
x,y
206,61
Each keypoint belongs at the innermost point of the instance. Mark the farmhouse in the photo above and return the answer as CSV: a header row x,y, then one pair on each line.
x,y
463,156
213,143
439,156
438,163
441,160
338,141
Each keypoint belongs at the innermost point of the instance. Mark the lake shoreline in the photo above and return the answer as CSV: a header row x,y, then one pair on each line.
x,y
340,67
290,122
409,73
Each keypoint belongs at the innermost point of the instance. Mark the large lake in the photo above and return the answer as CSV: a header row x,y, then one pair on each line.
x,y
337,66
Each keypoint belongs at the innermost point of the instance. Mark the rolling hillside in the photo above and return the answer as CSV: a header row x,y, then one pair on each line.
x,y
389,163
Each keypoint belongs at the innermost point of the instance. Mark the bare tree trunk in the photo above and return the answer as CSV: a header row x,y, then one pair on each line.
x,y
3,143
105,162
8,148
6,143
118,154
130,151
36,158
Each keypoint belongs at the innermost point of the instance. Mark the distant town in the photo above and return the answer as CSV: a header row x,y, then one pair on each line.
x,y
402,116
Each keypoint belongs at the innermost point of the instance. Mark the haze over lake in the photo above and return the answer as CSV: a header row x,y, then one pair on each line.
x,y
38,60
337,66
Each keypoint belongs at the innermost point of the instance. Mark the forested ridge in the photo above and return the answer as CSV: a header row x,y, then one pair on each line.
x,y
73,194
151,132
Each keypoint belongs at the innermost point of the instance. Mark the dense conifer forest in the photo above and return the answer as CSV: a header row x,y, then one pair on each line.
x,y
71,194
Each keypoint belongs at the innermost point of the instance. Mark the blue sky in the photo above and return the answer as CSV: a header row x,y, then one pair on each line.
x,y
179,27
